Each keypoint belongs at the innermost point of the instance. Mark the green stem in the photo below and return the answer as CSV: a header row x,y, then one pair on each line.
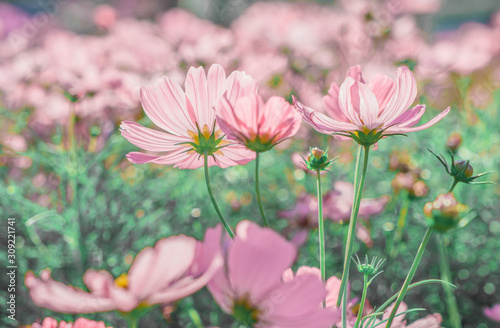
x,y
451,301
209,188
257,191
321,229
363,300
398,235
133,322
455,181
358,190
344,306
410,275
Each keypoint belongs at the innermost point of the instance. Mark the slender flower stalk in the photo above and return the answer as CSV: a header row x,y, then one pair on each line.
x,y
321,229
410,275
359,182
214,202
257,190
363,300
451,301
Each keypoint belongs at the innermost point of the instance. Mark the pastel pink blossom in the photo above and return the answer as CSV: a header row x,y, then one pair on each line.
x,y
430,321
337,203
188,117
49,322
257,125
174,268
382,105
251,288
493,313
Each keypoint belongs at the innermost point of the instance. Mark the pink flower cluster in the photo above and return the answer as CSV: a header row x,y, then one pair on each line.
x,y
254,284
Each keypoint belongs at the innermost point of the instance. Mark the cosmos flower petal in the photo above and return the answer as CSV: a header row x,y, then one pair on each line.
x,y
383,88
430,321
320,122
149,139
345,101
252,267
403,97
436,119
410,117
164,103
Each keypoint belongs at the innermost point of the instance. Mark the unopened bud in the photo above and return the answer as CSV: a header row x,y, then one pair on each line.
x,y
318,160
462,169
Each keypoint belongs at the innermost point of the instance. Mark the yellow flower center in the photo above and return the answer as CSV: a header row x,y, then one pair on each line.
x,y
122,281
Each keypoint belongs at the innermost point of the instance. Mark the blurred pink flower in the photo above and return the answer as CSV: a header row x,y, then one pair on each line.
x,y
257,125
174,268
493,313
251,288
430,321
357,108
337,203
49,322
105,16
189,120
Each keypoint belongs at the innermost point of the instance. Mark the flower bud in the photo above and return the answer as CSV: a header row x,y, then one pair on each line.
x,y
462,169
444,213
317,160
454,141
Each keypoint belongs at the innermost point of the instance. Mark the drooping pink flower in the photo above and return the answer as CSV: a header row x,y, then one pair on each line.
x,y
174,268
257,125
188,117
368,112
493,313
49,322
250,286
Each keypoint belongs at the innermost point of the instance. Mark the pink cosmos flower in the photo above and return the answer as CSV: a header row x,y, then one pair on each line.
x,y
251,288
257,125
188,117
368,112
49,322
174,268
430,321
493,313
337,203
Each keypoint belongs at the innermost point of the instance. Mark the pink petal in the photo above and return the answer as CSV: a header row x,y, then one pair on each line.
x,y
355,73
164,103
399,321
197,94
403,97
368,106
239,84
410,117
156,268
331,103
188,285
431,321
252,268
436,119
383,89
149,139
333,288
345,101
320,122
296,303
56,296
98,282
